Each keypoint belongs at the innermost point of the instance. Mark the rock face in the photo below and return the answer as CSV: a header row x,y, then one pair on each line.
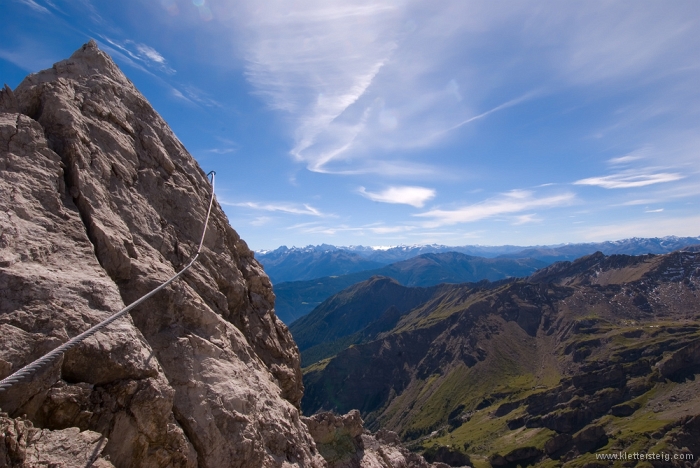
x,y
100,203
23,444
344,443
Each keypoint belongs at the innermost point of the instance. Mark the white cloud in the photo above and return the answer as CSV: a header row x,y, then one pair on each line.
x,y
507,204
609,41
178,94
407,195
513,102
226,150
35,6
314,59
361,79
641,201
390,229
289,208
525,219
261,221
630,180
622,160
150,53
200,97
142,53
393,169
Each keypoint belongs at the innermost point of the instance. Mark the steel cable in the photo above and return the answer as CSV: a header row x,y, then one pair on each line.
x,y
30,368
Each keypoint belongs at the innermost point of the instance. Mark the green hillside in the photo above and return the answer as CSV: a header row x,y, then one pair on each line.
x,y
594,356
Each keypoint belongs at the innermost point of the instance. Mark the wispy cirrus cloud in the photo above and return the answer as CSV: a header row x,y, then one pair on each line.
x,y
227,150
508,203
314,60
513,102
289,208
195,96
226,147
35,6
374,228
149,53
361,80
261,221
141,53
407,195
525,219
623,160
624,41
640,201
630,179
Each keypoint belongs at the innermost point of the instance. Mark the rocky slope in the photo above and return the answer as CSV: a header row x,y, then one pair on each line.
x,y
100,203
596,356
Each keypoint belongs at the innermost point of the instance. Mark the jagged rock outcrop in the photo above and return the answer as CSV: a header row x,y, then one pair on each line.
x,y
344,443
25,445
99,204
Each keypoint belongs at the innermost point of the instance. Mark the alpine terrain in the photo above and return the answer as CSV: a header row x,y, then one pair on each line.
x,y
578,360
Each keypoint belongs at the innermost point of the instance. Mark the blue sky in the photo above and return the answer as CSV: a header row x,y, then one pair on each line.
x,y
405,122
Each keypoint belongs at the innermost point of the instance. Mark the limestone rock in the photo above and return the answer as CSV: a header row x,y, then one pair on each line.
x,y
344,443
337,437
54,288
21,444
100,204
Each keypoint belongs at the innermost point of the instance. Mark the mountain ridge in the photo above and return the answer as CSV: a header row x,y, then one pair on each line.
x,y
555,252
296,299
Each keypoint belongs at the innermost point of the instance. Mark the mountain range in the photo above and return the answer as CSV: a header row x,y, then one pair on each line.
x,y
304,263
304,277
297,298
598,355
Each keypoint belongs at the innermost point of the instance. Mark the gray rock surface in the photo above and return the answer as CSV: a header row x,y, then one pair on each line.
x,y
99,204
22,444
344,443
